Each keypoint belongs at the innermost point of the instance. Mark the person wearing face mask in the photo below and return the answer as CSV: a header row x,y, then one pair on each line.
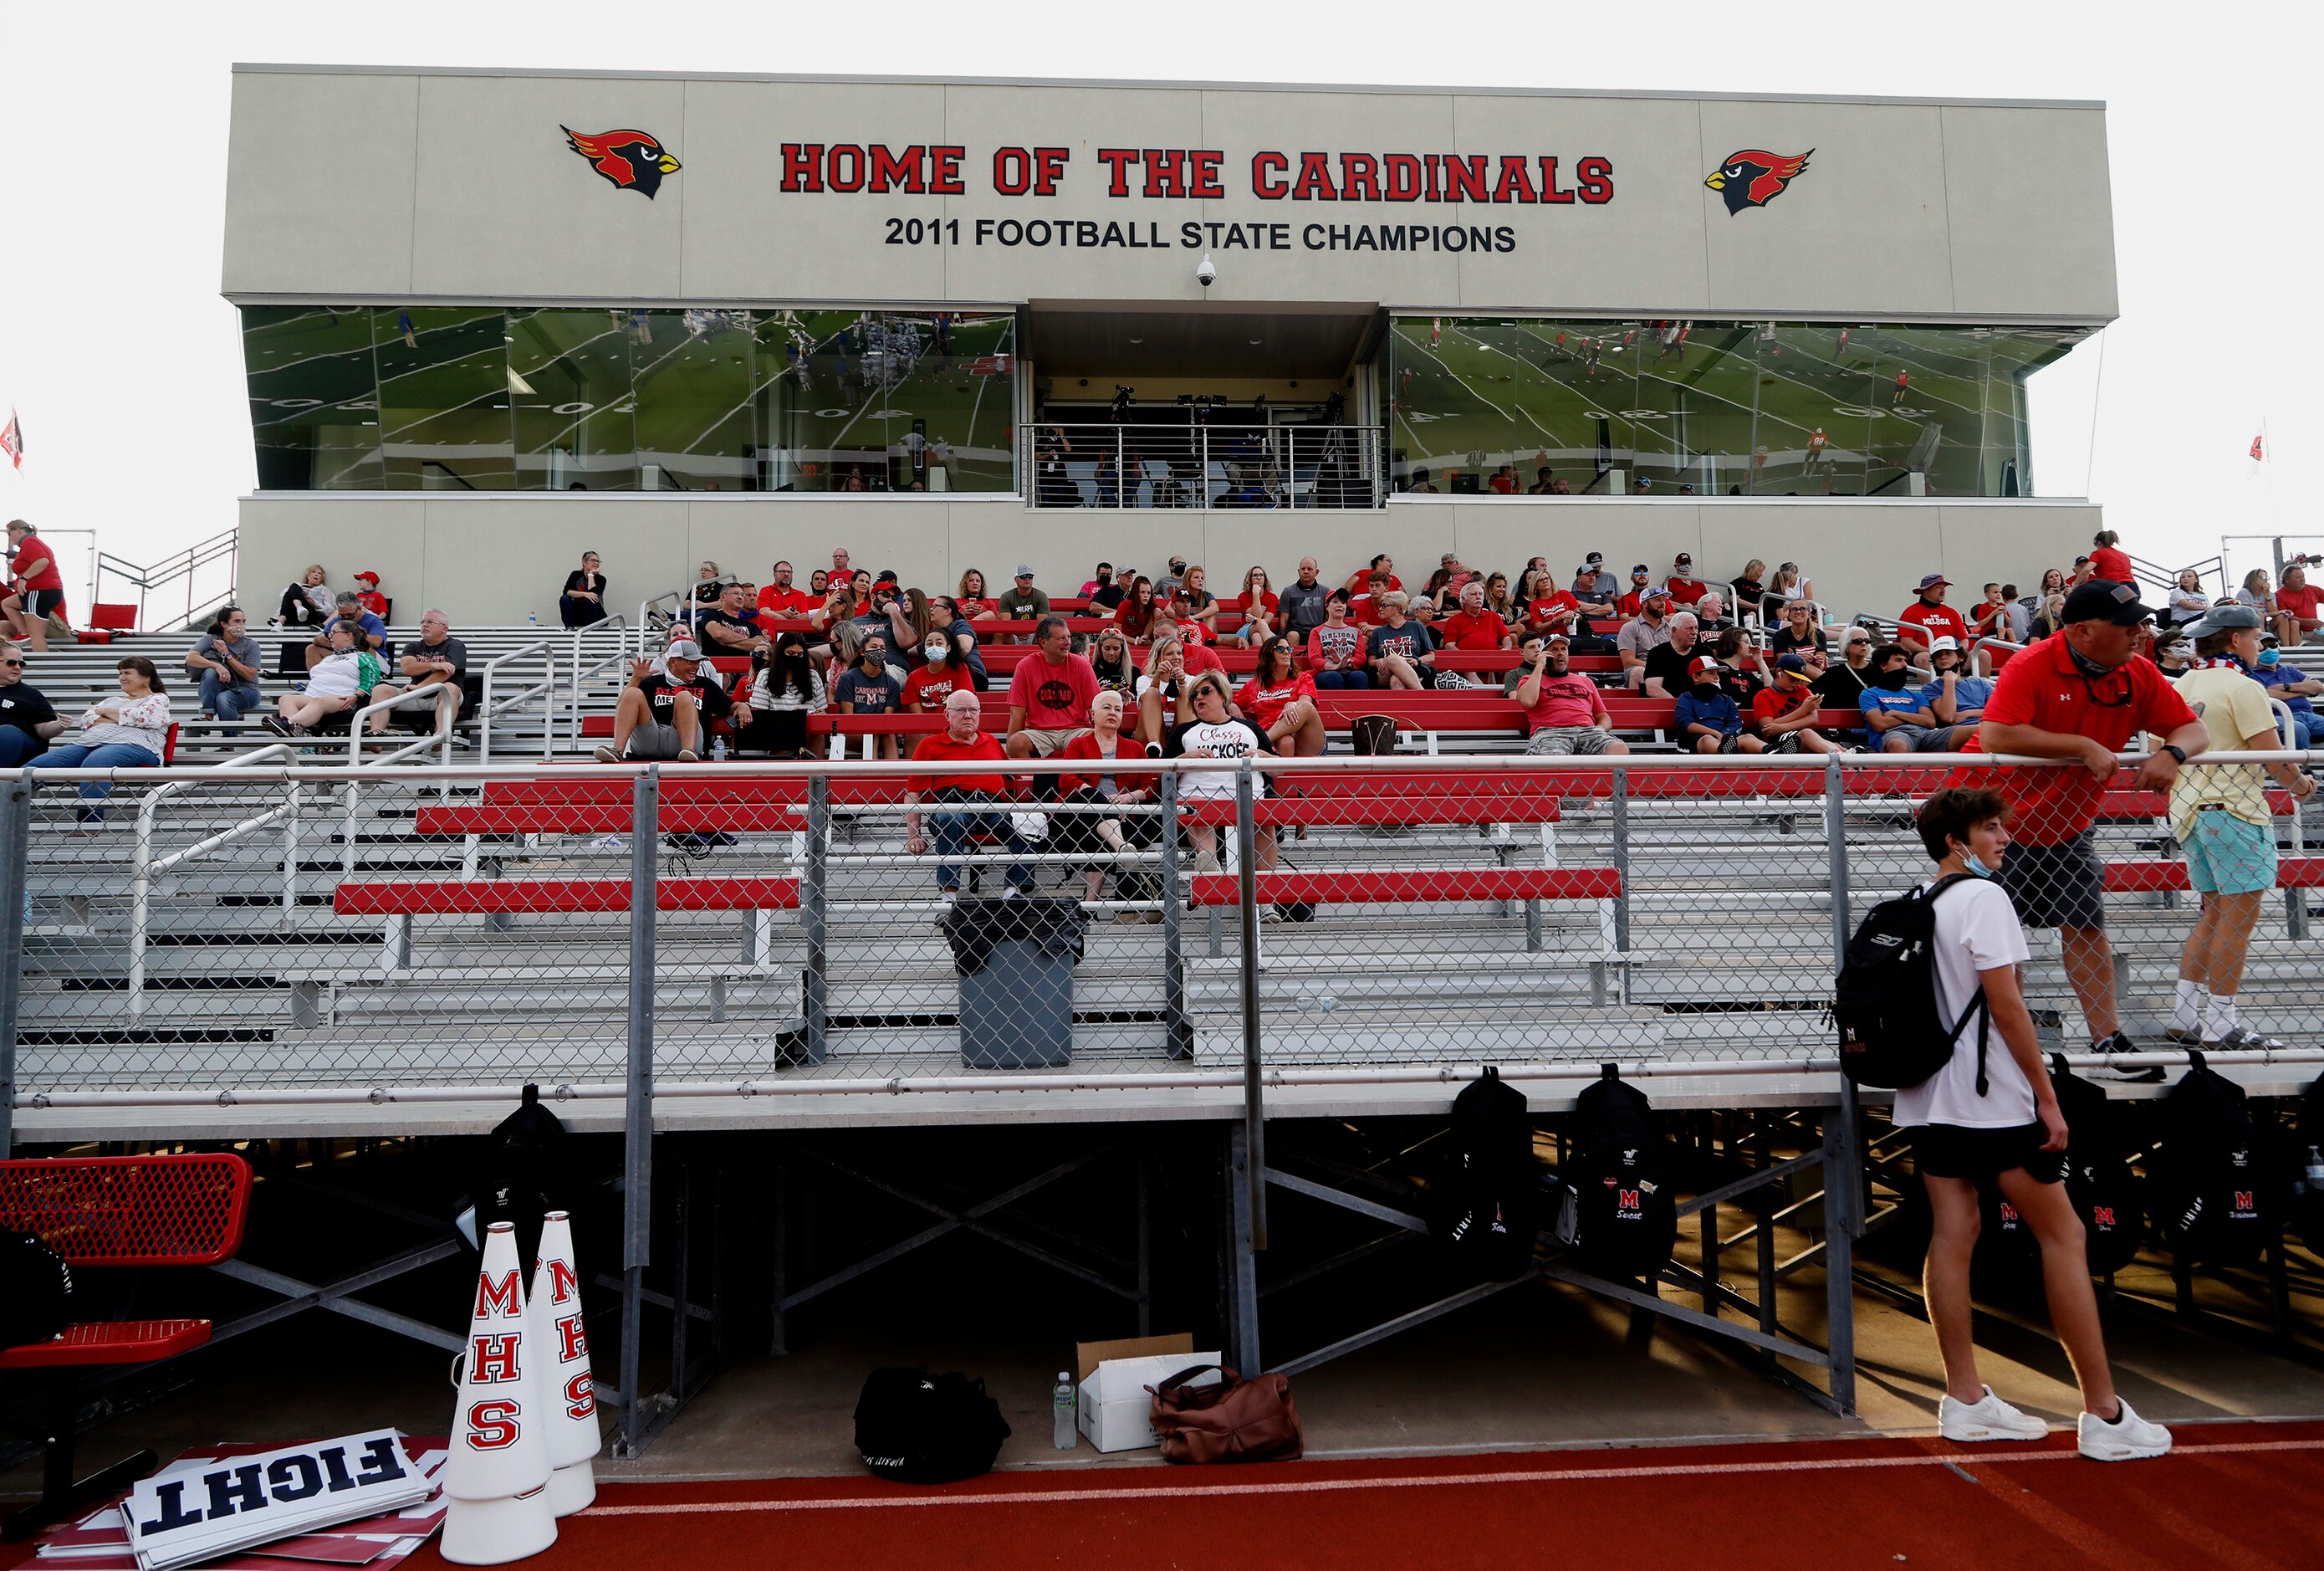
x,y
2294,688
869,687
2174,651
785,689
1953,699
1893,715
941,673
2007,1133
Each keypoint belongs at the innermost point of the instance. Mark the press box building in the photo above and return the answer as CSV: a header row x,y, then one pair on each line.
x,y
494,318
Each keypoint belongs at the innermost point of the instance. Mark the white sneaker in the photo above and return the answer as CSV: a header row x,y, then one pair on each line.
x,y
610,843
1987,1418
2127,1439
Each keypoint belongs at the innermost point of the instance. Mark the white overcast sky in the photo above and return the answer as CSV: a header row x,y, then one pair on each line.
x,y
122,359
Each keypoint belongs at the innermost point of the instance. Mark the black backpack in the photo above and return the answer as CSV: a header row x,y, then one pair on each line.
x,y
2308,1168
1486,1206
918,1427
38,1302
1892,1032
2105,1192
1621,1176
2215,1201
522,1175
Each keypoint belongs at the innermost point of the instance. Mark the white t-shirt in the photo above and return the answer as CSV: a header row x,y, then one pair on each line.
x,y
1225,739
1976,930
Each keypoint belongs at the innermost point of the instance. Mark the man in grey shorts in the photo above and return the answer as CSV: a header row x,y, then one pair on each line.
x,y
1563,709
662,715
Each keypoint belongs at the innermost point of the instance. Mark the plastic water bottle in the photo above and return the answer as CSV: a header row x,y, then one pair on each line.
x,y
531,619
1066,1433
718,750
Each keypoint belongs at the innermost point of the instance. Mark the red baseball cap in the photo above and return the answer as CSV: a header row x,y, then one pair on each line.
x,y
1703,665
370,576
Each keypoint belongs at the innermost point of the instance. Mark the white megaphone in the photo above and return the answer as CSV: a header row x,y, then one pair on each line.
x,y
496,1478
566,1400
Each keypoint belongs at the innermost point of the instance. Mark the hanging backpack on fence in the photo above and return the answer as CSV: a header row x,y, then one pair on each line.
x,y
1485,1208
2215,1201
918,1427
1622,1179
1892,1029
39,1300
2105,1192
522,1177
2308,1174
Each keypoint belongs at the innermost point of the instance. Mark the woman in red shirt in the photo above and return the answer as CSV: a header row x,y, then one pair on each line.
x,y
1095,835
1258,604
1280,701
2108,560
971,600
1135,615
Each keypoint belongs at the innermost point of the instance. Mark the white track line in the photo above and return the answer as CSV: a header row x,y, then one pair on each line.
x,y
1189,1491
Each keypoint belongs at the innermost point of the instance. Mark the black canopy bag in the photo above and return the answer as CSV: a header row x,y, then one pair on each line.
x,y
522,1177
2106,1194
1485,1206
2214,1207
1623,1179
918,1427
38,1299
1892,1028
2308,1168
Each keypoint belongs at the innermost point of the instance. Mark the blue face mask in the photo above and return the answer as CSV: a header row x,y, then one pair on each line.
x,y
2268,657
1971,862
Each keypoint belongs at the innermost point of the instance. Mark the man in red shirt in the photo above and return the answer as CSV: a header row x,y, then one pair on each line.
x,y
368,596
1928,617
1049,697
1472,626
35,586
780,599
2082,696
1564,712
2297,603
982,797
1683,586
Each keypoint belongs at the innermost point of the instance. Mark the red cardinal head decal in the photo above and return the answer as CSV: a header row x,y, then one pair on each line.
x,y
632,160
1752,179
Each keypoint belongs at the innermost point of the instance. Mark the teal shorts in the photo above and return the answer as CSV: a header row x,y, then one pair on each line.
x,y
2229,856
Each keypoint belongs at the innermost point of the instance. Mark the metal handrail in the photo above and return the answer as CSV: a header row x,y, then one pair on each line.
x,y
619,659
676,598
144,865
185,564
616,624
1223,463
548,685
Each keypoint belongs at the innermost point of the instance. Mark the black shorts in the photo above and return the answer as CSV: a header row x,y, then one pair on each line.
x,y
2055,887
1951,1150
41,602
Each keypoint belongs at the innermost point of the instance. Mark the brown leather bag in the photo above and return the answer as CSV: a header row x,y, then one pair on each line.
x,y
1235,1421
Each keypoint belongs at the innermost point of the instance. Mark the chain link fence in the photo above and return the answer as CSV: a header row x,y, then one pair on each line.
x,y
817,926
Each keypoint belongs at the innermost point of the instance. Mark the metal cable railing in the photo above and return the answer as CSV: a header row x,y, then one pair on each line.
x,y
1216,464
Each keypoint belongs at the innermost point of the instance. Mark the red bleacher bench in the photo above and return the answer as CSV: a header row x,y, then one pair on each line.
x,y
2149,877
1407,885
184,1209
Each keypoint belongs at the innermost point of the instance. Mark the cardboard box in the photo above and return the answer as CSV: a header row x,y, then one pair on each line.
x,y
1114,1405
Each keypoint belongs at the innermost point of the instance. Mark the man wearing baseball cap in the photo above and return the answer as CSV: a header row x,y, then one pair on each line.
x,y
661,713
1707,715
2080,696
1684,587
1928,617
1641,579
368,596
1786,710
1564,712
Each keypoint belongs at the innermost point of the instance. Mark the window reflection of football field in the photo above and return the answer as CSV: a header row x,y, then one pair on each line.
x,y
1490,391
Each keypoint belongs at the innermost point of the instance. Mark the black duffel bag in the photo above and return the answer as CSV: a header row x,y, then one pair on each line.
x,y
918,1427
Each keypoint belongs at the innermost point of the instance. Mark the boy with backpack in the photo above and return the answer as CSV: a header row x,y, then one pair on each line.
x,y
1992,1118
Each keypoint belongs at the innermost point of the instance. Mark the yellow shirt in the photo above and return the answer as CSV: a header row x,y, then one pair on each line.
x,y
2233,708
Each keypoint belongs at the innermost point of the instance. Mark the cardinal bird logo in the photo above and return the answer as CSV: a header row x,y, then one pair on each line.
x,y
1753,178
632,160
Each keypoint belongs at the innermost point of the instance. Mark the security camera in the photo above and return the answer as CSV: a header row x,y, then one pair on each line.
x,y
1205,273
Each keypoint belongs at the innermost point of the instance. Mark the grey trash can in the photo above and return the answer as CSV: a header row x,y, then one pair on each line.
x,y
1016,960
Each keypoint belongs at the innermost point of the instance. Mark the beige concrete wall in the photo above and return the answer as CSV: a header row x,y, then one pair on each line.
x,y
377,184
495,559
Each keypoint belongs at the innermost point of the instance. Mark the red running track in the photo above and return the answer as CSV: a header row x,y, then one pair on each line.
x,y
2230,1497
